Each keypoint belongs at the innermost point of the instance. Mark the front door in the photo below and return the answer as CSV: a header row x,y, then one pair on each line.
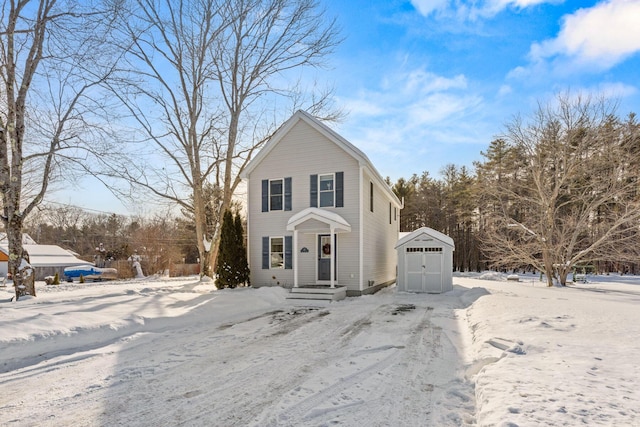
x,y
325,251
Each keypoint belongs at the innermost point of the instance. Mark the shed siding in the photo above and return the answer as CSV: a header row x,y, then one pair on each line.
x,y
420,239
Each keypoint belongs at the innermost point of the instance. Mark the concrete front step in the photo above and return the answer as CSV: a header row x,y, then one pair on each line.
x,y
318,293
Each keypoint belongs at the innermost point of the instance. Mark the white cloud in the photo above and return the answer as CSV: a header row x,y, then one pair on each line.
x,y
505,90
427,7
361,107
421,81
616,90
471,10
411,115
601,36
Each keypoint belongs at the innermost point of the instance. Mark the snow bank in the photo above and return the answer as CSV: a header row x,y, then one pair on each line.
x,y
180,352
556,356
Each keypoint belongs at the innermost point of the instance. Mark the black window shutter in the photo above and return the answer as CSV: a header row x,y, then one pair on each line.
x,y
265,253
265,195
288,252
313,195
287,194
339,189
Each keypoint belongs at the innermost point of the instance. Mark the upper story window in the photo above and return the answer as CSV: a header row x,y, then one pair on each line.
x,y
326,190
276,188
276,194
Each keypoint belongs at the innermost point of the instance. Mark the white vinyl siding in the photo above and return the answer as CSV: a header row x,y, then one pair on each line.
x,y
301,152
379,262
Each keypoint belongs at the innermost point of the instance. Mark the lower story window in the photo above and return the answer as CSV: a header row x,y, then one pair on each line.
x,y
277,252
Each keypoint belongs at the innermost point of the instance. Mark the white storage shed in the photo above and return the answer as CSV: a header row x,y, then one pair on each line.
x,y
425,261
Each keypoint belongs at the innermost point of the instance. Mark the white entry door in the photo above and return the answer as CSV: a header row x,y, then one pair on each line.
x,y
423,269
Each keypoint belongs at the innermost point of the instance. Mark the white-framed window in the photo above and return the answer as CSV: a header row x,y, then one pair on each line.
x,y
326,190
276,192
276,252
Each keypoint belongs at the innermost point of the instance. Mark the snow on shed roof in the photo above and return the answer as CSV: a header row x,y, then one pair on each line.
x,y
428,232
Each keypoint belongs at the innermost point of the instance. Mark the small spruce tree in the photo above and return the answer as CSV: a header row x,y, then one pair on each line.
x,y
232,268
225,265
242,263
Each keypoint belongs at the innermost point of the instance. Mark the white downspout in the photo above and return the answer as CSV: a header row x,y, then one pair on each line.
x,y
333,257
295,258
361,231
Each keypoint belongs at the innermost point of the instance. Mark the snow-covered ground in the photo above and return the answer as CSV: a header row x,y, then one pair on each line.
x,y
176,352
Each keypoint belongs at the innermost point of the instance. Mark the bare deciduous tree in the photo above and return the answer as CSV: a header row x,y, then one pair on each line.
x,y
204,80
570,195
53,62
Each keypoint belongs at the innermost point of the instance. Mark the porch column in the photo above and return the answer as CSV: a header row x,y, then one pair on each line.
x,y
333,257
295,258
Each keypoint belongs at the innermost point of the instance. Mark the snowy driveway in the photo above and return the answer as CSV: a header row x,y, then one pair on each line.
x,y
180,354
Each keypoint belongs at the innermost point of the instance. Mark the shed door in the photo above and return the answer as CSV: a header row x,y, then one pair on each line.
x,y
423,269
413,269
433,270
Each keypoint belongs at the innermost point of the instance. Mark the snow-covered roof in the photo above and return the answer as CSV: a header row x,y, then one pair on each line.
x,y
428,232
332,219
26,239
47,255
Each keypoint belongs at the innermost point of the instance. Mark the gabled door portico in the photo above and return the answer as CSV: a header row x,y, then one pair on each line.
x,y
327,226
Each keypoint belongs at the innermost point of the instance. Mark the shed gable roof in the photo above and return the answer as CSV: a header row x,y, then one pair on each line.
x,y
428,232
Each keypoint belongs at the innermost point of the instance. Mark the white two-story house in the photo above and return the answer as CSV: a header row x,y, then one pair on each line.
x,y
319,214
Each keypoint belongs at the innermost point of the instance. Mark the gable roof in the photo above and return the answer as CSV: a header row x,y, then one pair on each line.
x,y
26,239
327,132
427,232
332,219
48,255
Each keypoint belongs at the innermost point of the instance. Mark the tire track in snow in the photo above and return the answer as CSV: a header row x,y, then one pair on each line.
x,y
235,373
395,365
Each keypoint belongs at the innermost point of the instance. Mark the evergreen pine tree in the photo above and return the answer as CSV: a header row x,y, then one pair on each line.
x,y
225,268
241,251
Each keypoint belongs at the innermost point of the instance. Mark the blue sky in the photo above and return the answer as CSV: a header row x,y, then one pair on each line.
x,y
428,83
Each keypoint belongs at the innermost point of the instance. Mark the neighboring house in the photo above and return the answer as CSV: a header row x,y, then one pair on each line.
x,y
319,213
46,260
